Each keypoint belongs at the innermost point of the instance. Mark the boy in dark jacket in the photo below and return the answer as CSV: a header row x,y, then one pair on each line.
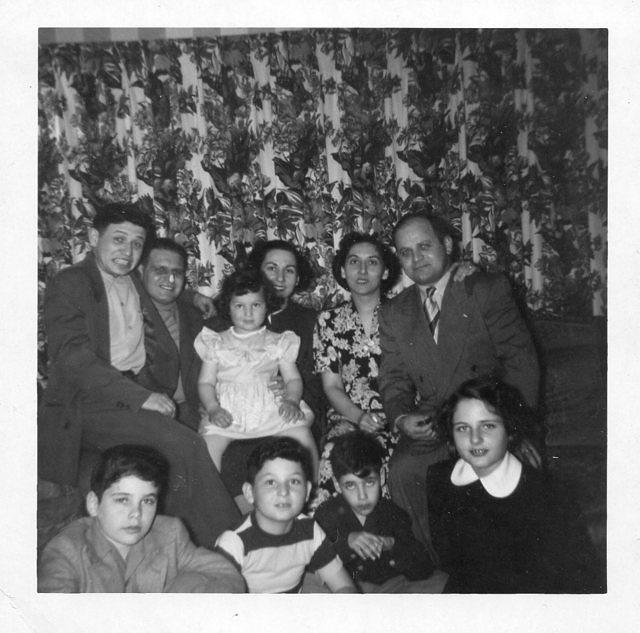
x,y
373,536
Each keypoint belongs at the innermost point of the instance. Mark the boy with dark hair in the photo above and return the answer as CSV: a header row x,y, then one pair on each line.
x,y
372,535
275,544
123,546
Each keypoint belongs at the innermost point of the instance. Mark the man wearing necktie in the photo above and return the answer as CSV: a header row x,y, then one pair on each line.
x,y
434,335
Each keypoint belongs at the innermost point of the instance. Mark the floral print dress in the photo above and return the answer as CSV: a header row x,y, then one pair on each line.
x,y
341,345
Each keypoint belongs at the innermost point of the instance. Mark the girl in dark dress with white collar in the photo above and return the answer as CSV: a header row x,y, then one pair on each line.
x,y
498,524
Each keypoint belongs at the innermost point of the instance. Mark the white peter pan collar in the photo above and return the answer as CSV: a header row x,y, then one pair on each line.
x,y
500,482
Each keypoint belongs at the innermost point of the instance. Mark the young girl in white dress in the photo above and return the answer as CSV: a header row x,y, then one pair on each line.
x,y
237,366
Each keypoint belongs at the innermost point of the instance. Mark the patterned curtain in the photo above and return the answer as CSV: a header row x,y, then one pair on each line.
x,y
305,135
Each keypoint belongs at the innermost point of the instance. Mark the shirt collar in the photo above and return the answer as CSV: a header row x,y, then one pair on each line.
x,y
500,482
440,286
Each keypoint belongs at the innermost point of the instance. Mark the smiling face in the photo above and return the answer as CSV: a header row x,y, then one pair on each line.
x,y
364,269
278,493
248,312
126,511
281,269
361,493
479,435
424,258
118,248
163,276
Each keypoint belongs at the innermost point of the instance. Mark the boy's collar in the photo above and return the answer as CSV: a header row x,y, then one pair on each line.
x,y
500,482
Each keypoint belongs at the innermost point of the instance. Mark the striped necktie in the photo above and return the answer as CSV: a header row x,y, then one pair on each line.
x,y
432,311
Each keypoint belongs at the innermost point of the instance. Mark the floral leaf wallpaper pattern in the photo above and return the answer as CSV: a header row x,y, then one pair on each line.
x,y
305,135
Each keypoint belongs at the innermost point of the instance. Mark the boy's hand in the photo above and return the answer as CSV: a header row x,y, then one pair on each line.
x,y
289,411
366,545
388,542
220,417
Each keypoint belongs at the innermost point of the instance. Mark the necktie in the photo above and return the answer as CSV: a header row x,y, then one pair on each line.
x,y
432,311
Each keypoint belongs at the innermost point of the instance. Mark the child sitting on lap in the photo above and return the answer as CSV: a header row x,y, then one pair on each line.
x,y
373,535
239,363
123,546
497,523
275,545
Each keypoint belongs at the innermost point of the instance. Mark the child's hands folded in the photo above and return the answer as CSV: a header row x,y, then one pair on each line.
x,y
366,545
290,411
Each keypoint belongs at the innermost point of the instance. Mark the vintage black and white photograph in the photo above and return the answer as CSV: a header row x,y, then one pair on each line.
x,y
323,309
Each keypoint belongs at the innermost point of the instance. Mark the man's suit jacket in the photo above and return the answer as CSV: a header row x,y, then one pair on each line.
x,y
481,329
164,361
76,312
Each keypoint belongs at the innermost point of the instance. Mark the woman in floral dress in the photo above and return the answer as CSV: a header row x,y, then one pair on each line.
x,y
346,347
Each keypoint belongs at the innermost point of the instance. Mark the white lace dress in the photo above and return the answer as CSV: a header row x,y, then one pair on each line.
x,y
246,363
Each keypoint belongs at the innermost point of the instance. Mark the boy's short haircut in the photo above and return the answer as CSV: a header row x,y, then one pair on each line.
x,y
125,460
356,453
119,212
278,447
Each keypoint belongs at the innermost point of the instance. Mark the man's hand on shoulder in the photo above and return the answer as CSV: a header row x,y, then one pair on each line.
x,y
161,403
205,305
462,270
416,426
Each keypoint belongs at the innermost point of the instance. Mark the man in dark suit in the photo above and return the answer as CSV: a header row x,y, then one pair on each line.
x,y
172,365
435,335
96,314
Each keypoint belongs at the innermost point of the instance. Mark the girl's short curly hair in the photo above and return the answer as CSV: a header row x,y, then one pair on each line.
x,y
262,248
389,260
518,418
242,282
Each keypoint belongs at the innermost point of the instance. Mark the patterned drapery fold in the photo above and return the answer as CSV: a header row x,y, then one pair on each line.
x,y
305,135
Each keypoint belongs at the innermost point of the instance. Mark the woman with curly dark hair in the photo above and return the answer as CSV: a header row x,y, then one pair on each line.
x,y
347,348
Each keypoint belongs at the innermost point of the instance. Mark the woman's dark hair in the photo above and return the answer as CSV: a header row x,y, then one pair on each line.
x,y
242,282
440,225
278,447
261,248
506,401
356,453
124,460
389,260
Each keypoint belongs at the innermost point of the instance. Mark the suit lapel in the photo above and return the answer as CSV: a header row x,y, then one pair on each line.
x,y
155,330
455,317
187,335
102,334
413,323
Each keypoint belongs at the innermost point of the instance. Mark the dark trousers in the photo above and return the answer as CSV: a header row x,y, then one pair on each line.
x,y
408,468
195,494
